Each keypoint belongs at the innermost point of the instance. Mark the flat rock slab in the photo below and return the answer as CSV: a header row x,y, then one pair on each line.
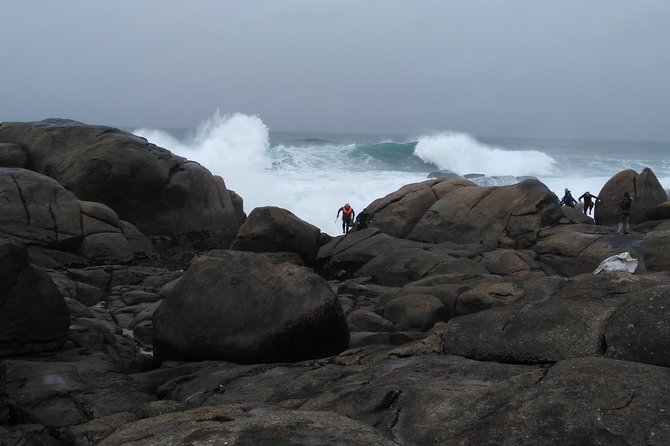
x,y
437,399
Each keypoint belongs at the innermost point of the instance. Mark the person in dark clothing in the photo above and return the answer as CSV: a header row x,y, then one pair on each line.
x,y
624,213
588,201
347,217
568,199
362,221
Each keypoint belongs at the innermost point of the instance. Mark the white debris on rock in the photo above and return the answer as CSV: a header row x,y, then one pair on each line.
x,y
623,262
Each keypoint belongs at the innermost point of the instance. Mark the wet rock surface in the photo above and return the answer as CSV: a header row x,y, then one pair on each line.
x,y
429,327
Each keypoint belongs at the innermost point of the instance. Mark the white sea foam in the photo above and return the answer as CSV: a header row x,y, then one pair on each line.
x,y
312,182
463,154
223,143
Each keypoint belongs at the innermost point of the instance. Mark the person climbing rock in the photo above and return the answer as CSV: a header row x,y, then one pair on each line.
x,y
347,217
588,202
568,199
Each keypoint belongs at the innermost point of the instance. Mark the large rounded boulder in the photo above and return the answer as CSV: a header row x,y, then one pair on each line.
x,y
37,210
242,307
461,212
33,314
160,193
505,216
415,312
273,229
398,212
644,188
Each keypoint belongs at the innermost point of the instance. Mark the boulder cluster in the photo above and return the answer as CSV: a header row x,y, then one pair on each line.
x,y
140,304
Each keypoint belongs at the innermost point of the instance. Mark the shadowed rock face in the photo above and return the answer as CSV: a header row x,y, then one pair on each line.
x,y
160,193
13,155
33,314
639,329
656,248
242,307
38,211
4,411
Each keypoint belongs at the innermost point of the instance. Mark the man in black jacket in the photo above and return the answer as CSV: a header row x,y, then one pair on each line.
x,y
588,202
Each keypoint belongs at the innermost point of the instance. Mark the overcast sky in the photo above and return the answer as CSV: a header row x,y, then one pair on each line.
x,y
556,68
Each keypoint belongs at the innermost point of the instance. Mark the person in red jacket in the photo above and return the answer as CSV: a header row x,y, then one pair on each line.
x,y
347,217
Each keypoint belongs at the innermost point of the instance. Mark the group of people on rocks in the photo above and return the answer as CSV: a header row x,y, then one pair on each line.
x,y
348,221
351,220
569,200
590,201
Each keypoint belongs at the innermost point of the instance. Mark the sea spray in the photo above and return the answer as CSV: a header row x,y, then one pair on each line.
x,y
231,145
312,179
313,175
463,154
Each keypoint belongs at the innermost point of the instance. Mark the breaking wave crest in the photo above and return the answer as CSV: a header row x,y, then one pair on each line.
x,y
462,154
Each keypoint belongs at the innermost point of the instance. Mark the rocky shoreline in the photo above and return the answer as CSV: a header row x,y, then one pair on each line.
x,y
140,304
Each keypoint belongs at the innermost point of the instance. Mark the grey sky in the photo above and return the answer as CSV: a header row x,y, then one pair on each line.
x,y
564,68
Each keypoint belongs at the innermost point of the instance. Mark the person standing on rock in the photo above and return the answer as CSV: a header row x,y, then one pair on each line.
x,y
588,202
568,199
624,213
347,217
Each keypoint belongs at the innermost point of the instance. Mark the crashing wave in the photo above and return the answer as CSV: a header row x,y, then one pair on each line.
x,y
462,153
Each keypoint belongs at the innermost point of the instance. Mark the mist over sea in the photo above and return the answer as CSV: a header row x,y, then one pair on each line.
x,y
313,175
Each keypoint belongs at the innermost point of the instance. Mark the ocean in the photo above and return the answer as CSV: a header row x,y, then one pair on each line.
x,y
314,174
